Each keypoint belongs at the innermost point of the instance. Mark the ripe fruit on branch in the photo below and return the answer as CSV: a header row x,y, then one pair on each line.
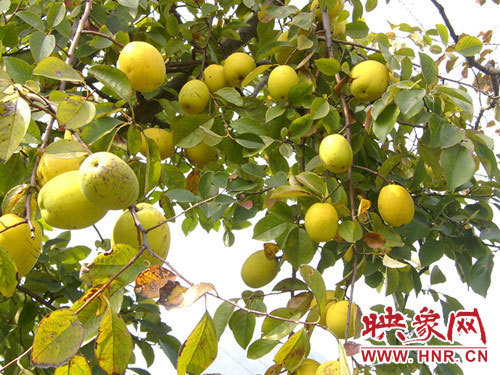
x,y
332,13
164,139
125,231
106,180
322,222
281,79
18,242
369,80
63,205
328,368
214,78
258,270
53,164
335,153
237,66
143,65
336,318
194,96
202,154
307,367
395,205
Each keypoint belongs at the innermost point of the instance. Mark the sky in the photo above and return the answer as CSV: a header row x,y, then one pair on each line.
x,y
202,257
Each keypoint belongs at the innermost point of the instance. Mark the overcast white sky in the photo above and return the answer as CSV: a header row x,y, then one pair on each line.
x,y
203,257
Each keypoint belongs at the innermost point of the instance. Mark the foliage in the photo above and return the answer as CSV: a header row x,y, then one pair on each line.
x,y
425,133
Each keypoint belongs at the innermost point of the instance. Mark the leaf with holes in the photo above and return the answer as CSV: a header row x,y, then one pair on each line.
x,y
52,67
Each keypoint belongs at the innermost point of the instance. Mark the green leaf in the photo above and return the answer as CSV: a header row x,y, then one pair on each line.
x,y
184,129
303,20
443,33
4,5
129,3
460,97
350,231
230,95
385,121
113,344
293,351
107,264
57,339
328,67
430,252
200,348
315,282
299,92
8,280
290,192
274,329
52,67
480,274
357,29
370,5
274,112
19,70
56,14
468,46
260,348
458,165
75,112
429,68
437,276
115,79
31,19
41,45
313,182
406,100
221,317
78,365
15,117
183,196
300,126
245,125
249,140
242,323
320,108
268,228
172,177
254,74
298,248
392,281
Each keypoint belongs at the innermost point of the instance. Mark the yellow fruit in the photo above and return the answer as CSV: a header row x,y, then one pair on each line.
x,y
202,154
322,222
214,78
335,153
307,367
125,231
237,66
332,13
369,80
163,139
328,368
281,79
258,270
143,65
194,96
106,180
330,298
18,242
336,318
395,205
53,164
63,205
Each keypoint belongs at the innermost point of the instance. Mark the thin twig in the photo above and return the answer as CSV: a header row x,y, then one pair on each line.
x,y
108,37
371,171
77,138
16,359
259,87
36,297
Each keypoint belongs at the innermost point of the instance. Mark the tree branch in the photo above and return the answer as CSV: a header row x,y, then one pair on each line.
x,y
36,297
108,37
